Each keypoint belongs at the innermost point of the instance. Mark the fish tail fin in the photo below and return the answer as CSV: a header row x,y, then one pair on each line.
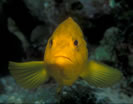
x,y
101,75
28,74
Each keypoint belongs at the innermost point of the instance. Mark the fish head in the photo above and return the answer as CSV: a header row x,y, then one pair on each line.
x,y
66,51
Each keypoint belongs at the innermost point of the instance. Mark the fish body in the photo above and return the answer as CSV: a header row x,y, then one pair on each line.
x,y
65,59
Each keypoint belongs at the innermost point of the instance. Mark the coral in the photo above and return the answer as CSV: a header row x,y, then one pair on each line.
x,y
78,93
39,37
105,51
116,94
107,25
52,11
15,94
15,31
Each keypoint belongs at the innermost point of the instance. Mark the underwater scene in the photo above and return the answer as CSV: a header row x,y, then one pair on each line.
x,y
66,52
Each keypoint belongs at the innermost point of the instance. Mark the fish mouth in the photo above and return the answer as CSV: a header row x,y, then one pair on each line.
x,y
64,57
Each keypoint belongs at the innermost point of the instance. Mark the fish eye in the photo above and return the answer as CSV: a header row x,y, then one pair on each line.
x,y
76,42
51,42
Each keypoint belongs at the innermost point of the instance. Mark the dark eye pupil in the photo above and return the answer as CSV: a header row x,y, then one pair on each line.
x,y
51,42
75,42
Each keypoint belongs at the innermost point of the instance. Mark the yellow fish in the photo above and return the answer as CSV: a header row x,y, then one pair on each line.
x,y
65,59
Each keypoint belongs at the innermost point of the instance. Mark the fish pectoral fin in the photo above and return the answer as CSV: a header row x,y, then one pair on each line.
x,y
28,74
101,75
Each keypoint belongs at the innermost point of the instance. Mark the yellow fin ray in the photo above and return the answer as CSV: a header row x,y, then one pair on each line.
x,y
101,75
29,74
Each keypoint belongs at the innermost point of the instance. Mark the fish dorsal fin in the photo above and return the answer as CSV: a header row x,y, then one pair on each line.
x,y
29,74
101,75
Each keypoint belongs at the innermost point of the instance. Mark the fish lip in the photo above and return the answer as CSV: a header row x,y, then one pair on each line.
x,y
65,57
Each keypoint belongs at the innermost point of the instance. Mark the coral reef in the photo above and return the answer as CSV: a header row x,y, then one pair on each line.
x,y
17,95
105,52
55,11
107,26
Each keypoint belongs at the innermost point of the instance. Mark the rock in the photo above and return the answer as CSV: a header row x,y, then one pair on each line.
x,y
106,50
54,11
18,95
